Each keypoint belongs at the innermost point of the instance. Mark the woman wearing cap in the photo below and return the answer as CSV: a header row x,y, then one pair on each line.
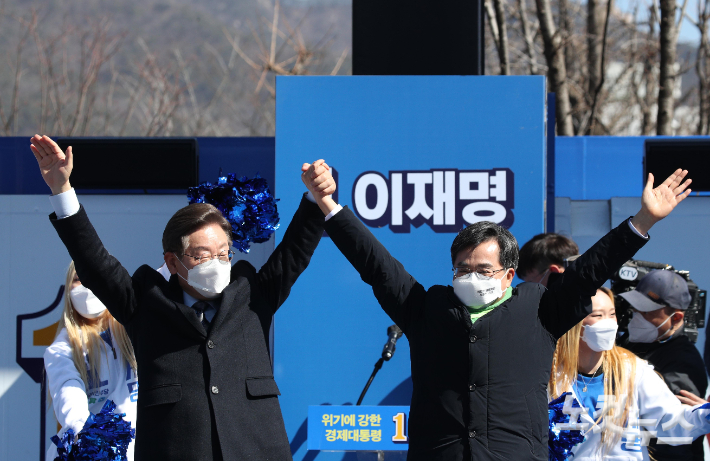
x,y
90,361
589,365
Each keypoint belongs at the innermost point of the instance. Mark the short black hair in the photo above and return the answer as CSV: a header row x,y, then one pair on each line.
x,y
482,231
188,220
545,249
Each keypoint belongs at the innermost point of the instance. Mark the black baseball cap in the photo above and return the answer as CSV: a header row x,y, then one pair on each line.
x,y
659,288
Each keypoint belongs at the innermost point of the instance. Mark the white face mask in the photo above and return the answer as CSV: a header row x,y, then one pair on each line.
x,y
643,331
210,278
85,303
474,289
601,335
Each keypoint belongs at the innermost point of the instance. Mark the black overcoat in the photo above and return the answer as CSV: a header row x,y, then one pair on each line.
x,y
201,396
480,390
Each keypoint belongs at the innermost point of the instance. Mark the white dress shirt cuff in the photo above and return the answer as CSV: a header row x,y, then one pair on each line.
x,y
65,204
636,231
334,212
312,199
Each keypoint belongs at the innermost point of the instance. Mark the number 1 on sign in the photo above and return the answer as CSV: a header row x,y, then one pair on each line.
x,y
400,423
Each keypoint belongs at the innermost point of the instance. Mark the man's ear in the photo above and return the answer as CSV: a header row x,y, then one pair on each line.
x,y
555,269
508,278
678,317
171,262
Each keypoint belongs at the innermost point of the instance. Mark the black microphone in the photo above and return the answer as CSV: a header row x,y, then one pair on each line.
x,y
393,333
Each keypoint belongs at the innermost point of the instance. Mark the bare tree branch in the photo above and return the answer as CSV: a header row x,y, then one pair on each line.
x,y
668,36
600,83
557,71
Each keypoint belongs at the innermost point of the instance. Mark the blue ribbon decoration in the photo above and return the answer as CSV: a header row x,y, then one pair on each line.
x,y
704,406
105,436
560,443
246,203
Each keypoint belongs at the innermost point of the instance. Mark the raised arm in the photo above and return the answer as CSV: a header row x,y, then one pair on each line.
x,y
97,269
567,301
291,257
399,294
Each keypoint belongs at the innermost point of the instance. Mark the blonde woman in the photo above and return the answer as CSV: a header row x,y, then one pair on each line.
x,y
616,389
90,361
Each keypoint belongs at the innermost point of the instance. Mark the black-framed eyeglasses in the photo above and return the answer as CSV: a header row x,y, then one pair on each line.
x,y
225,257
461,271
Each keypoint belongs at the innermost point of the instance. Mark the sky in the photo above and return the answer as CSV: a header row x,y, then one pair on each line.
x,y
688,32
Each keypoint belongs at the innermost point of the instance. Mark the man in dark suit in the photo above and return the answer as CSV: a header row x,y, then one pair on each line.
x,y
207,390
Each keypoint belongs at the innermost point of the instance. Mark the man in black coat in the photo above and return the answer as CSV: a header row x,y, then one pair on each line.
x,y
206,391
481,351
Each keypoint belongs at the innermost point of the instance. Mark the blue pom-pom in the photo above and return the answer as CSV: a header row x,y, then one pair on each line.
x,y
65,446
105,436
246,203
561,442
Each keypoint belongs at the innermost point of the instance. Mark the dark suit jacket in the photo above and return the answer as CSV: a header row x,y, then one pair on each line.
x,y
202,396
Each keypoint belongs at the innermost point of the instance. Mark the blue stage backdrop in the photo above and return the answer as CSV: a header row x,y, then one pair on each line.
x,y
417,158
602,167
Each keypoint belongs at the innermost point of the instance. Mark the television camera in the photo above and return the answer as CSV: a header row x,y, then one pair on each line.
x,y
631,273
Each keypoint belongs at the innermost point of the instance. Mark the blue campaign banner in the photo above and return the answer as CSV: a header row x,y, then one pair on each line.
x,y
357,428
417,159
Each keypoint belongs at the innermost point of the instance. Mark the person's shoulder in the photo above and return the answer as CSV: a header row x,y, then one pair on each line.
x,y
640,363
678,353
440,290
60,345
682,342
147,277
686,357
243,268
529,290
62,338
439,296
531,286
145,271
646,373
633,361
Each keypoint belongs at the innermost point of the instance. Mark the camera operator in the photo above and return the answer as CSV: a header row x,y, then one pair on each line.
x,y
544,255
656,335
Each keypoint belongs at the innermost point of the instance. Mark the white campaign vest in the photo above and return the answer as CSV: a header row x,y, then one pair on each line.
x,y
118,382
652,400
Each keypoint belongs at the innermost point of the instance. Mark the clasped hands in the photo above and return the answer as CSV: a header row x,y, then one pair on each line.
x,y
319,181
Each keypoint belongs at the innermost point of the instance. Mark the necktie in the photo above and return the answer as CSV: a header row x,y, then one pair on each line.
x,y
200,308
